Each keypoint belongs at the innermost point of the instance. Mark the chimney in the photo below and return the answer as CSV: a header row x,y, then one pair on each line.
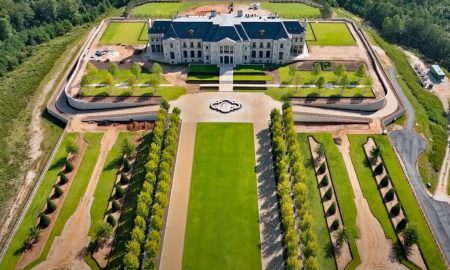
x,y
240,13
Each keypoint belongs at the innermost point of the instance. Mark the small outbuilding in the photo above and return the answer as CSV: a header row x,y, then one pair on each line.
x,y
437,72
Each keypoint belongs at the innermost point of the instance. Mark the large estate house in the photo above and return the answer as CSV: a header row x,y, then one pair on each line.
x,y
226,39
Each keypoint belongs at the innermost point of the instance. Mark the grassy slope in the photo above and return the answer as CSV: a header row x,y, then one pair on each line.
x,y
292,10
38,203
76,191
344,191
126,222
412,209
330,34
222,224
326,262
114,33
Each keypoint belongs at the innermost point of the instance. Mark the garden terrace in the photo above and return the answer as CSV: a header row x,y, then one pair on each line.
x,y
202,73
329,34
163,10
410,206
250,74
292,10
133,33
222,223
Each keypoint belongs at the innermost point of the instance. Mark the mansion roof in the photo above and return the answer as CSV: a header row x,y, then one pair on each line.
x,y
237,28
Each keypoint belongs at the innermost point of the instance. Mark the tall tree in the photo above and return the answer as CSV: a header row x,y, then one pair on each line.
x,y
136,70
317,70
340,71
113,68
109,79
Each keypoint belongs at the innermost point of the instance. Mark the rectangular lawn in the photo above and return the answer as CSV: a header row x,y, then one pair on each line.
x,y
292,10
125,33
222,224
329,34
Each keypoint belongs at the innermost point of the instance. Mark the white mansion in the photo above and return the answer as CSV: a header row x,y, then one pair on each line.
x,y
227,39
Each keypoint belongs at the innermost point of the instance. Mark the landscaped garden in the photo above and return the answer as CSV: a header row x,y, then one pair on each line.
x,y
250,74
164,10
222,223
133,33
329,34
203,73
409,204
292,10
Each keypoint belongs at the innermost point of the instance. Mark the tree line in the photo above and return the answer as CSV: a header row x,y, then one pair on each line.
x,y
25,24
422,25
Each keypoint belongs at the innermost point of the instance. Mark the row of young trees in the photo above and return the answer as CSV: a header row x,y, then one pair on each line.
x,y
300,190
145,197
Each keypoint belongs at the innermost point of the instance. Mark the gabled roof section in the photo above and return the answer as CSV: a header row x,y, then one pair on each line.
x,y
222,32
293,26
265,30
193,30
242,32
160,26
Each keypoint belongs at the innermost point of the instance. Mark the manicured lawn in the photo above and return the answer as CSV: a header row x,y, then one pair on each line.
x,y
203,77
164,10
280,93
326,261
251,77
126,222
76,191
222,224
203,69
13,254
344,191
123,75
167,92
292,10
329,34
306,77
107,180
124,33
427,245
256,69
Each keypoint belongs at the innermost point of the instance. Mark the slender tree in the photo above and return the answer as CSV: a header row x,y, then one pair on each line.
x,y
157,70
317,70
344,82
339,72
132,81
136,70
113,68
360,71
320,83
109,79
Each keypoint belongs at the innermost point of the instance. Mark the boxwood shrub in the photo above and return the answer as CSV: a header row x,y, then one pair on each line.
x,y
44,221
126,165
332,209
115,206
111,220
322,168
324,182
119,192
401,225
69,166
379,169
395,210
57,191
335,225
389,195
51,206
328,194
124,179
384,182
62,178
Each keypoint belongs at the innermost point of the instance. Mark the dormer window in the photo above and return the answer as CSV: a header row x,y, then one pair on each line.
x,y
261,33
191,32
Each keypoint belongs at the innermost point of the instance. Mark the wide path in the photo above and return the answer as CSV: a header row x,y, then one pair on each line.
x,y
409,145
195,108
374,249
226,79
68,250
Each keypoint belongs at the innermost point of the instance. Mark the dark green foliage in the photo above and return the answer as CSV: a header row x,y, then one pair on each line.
x,y
57,191
335,225
165,104
384,182
322,168
69,167
124,179
389,195
51,206
395,210
328,194
126,165
332,209
324,182
119,192
401,225
111,220
379,169
44,221
115,206
63,178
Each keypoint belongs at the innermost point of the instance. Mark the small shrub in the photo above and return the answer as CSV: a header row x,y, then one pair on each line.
x,y
335,225
119,192
389,195
124,179
126,165
324,182
51,206
395,210
44,221
156,223
111,220
63,178
401,225
57,192
384,182
332,209
322,168
69,167
115,206
379,169
328,195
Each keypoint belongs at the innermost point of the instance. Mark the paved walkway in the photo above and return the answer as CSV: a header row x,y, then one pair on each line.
x,y
226,79
375,250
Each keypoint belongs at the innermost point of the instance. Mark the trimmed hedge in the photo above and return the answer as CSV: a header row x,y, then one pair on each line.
x,y
124,179
335,225
44,221
384,182
111,220
395,210
379,169
51,206
126,165
57,191
328,194
115,206
322,168
119,192
324,182
62,178
332,209
69,166
389,195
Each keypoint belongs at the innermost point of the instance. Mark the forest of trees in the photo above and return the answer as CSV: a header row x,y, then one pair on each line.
x,y
423,25
27,23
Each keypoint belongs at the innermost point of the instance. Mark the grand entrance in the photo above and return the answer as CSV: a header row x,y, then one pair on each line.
x,y
226,60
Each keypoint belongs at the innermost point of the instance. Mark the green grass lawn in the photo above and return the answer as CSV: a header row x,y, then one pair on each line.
x,y
281,93
124,33
222,224
203,77
164,10
329,34
76,191
292,10
203,69
12,255
427,245
251,77
123,75
306,77
126,222
167,92
344,191
256,69
325,259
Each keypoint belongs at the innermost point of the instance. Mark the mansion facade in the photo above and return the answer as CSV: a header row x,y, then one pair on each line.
x,y
227,39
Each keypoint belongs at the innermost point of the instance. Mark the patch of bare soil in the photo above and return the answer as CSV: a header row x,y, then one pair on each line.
x,y
36,251
223,9
69,248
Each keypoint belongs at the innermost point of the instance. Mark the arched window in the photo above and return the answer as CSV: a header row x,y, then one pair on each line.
x,y
261,54
226,48
267,54
253,54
